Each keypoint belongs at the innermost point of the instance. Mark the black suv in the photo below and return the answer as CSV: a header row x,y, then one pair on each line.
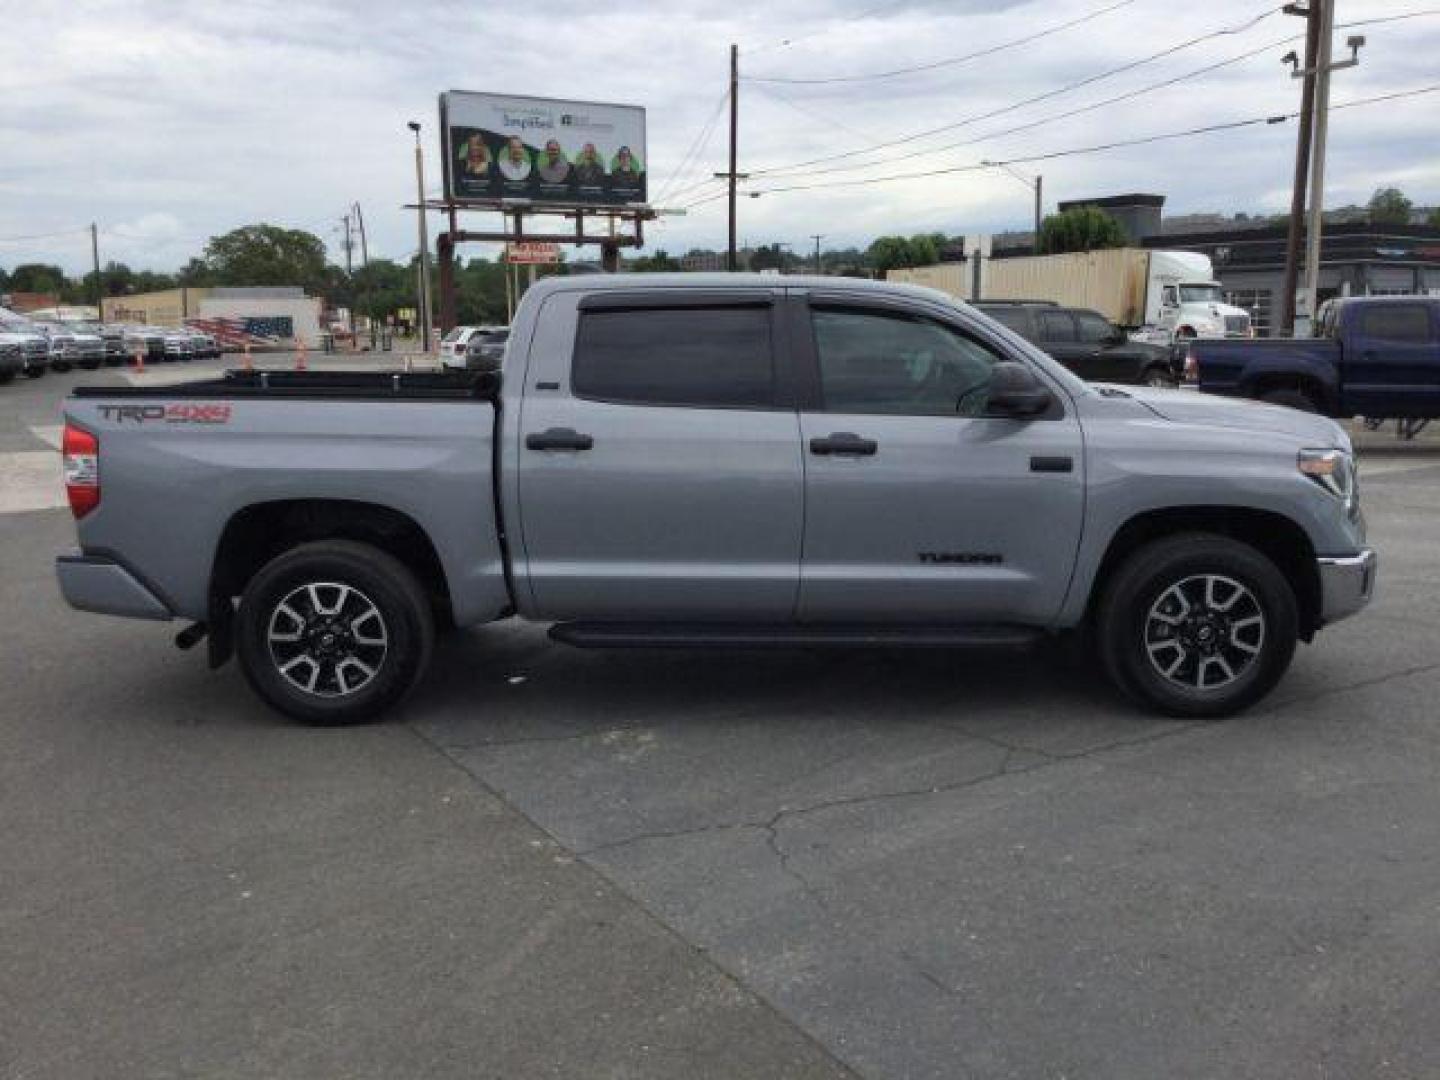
x,y
1087,343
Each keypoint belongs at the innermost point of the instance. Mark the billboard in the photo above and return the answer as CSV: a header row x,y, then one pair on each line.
x,y
569,153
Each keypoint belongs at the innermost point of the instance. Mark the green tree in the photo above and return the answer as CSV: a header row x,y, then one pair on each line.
x,y
1433,220
383,288
1389,206
267,255
37,278
195,274
891,252
1082,228
659,263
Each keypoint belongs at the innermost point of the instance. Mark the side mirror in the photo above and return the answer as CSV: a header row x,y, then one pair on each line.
x,y
1016,391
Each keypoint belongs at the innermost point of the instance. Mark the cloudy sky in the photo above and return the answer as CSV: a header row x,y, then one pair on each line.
x,y
167,122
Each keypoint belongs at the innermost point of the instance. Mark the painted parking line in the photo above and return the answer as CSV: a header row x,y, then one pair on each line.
x,y
1384,467
30,480
48,433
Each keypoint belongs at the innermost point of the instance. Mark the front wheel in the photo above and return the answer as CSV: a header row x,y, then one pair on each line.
x,y
1197,625
1159,378
1291,399
333,632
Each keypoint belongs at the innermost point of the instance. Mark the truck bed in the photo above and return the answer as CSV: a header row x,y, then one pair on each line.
x,y
311,385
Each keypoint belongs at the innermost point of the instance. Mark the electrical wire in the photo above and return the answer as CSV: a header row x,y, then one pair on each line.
x,y
43,236
950,61
697,145
1277,118
1032,100
787,42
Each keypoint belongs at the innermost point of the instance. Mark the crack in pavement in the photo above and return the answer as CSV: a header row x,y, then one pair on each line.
x,y
1358,684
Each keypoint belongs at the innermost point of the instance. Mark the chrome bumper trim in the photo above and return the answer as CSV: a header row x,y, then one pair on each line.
x,y
1346,584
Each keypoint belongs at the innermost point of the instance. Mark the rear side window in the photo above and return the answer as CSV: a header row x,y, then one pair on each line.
x,y
1395,322
713,356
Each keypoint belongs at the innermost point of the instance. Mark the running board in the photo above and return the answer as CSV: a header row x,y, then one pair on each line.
x,y
614,635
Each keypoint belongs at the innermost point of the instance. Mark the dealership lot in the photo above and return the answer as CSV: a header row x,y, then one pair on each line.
x,y
717,864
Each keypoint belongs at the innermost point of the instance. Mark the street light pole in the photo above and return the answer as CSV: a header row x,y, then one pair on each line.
x,y
422,289
817,237
1037,184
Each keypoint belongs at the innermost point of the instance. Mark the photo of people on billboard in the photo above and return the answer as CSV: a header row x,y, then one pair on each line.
x,y
500,146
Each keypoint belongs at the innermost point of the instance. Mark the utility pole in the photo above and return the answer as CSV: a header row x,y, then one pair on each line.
x,y
1323,69
422,289
1039,209
349,268
817,237
1302,168
732,175
350,276
364,251
99,288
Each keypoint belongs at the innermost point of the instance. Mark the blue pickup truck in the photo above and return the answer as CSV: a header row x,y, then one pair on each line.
x,y
1372,356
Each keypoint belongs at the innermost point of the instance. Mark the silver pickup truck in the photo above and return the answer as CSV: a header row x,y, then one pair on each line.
x,y
717,461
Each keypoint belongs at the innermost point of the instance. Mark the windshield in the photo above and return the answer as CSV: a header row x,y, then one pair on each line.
x,y
453,335
1200,294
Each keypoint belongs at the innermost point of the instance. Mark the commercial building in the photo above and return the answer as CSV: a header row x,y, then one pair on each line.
x,y
274,315
1357,258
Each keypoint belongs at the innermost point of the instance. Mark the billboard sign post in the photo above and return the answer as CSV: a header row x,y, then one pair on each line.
x,y
542,151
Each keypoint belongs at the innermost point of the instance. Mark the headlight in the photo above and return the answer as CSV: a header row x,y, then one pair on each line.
x,y
1334,470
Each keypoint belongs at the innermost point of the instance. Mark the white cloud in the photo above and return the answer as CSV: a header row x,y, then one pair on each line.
x,y
169,121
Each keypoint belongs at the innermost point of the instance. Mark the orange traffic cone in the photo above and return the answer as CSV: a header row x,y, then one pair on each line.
x,y
140,361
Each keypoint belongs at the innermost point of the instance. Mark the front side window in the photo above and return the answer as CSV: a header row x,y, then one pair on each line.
x,y
1056,326
453,336
877,362
1396,322
711,356
1094,330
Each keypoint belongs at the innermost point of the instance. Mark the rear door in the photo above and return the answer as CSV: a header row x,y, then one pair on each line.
x,y
1058,337
660,473
918,509
1391,359
1105,360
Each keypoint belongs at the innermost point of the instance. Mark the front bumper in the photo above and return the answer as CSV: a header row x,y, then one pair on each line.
x,y
1346,584
95,583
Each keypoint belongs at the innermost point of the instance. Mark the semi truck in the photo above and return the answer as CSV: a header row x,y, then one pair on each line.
x,y
1165,295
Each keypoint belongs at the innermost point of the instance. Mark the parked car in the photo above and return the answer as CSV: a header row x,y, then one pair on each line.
x,y
485,350
179,346
148,341
12,359
71,346
454,344
717,461
112,337
1373,356
34,348
1087,343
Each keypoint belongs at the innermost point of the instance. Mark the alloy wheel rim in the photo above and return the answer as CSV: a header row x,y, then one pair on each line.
x,y
1204,632
327,639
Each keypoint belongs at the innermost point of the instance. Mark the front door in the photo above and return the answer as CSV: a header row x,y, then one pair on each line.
x,y
918,508
1392,360
660,474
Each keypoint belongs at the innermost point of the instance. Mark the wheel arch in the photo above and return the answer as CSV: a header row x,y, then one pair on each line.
x,y
257,533
1279,538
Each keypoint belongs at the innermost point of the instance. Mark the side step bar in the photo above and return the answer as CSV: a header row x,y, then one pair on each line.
x,y
616,635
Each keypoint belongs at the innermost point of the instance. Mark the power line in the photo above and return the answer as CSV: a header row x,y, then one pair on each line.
x,y
1034,99
44,236
933,65
1278,118
774,95
701,140
1092,107
787,42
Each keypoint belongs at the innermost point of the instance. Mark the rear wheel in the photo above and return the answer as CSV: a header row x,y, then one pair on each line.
x,y
6,376
59,365
90,365
1197,625
1158,377
334,632
1291,398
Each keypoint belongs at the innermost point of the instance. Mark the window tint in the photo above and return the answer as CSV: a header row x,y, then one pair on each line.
x,y
676,356
1016,318
1397,322
1094,330
872,362
1056,326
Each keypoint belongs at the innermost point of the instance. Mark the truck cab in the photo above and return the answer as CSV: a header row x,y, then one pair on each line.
x,y
1185,302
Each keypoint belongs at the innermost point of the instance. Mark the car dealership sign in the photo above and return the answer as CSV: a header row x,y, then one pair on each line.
x,y
541,150
526,252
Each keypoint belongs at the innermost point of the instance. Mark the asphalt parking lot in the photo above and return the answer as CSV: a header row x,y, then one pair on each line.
x,y
635,864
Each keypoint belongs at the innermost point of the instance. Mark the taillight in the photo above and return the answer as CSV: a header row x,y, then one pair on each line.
x,y
81,452
1192,368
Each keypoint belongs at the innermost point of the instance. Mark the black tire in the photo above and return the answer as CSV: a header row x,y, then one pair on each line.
x,y
1291,399
6,376
1158,377
1135,617
91,365
60,365
35,372
379,580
